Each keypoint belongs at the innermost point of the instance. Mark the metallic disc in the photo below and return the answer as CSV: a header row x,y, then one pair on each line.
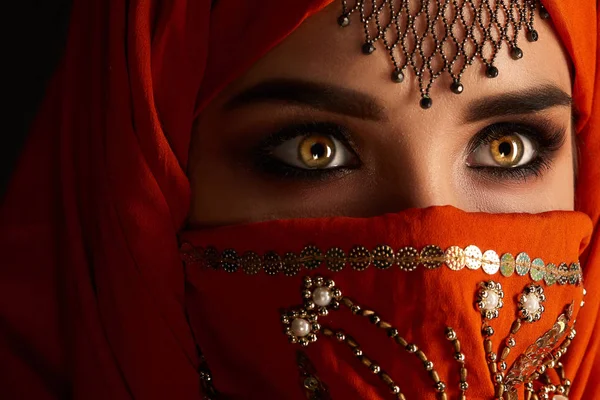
x,y
523,264
537,270
507,264
473,257
455,258
490,262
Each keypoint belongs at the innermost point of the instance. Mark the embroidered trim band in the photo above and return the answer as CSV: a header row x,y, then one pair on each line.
x,y
407,259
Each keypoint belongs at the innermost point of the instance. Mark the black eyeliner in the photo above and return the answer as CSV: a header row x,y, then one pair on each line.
x,y
265,161
546,136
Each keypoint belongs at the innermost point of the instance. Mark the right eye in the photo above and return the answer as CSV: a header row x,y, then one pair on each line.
x,y
314,151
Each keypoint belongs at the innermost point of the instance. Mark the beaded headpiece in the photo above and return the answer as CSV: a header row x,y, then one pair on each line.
x,y
432,37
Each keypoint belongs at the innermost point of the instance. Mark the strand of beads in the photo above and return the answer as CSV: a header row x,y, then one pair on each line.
x,y
411,348
365,360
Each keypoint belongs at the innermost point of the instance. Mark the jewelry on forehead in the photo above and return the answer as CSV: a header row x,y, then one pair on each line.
x,y
433,37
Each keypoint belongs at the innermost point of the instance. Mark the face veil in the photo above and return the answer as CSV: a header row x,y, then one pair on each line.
x,y
94,296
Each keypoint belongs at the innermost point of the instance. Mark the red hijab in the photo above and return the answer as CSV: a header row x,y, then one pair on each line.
x,y
92,302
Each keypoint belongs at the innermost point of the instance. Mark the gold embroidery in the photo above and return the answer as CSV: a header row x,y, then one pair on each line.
x,y
532,365
383,257
313,387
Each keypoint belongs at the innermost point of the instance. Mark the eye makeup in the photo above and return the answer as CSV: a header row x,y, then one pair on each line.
x,y
546,137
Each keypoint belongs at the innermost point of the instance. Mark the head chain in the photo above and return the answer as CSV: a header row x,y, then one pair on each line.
x,y
486,25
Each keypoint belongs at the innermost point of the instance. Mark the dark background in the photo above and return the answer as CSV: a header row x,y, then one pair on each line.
x,y
35,33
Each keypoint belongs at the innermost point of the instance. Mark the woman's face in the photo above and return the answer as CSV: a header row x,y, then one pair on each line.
x,y
316,128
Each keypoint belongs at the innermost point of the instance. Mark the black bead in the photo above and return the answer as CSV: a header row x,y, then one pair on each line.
x,y
397,76
516,53
457,87
343,20
544,14
374,319
426,102
532,36
368,48
491,71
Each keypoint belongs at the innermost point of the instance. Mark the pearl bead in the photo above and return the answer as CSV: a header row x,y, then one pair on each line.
x,y
322,296
491,300
300,327
532,303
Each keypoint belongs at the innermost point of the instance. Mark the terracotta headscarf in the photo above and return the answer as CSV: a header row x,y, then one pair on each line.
x,y
91,286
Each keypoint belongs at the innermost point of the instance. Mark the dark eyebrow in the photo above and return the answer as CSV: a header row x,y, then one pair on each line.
x,y
320,96
527,101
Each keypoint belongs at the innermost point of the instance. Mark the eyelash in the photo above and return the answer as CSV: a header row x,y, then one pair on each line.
x,y
265,161
546,136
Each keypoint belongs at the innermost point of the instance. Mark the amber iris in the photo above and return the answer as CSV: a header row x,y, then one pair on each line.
x,y
316,151
507,151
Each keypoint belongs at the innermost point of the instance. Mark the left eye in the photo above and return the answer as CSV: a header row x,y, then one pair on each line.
x,y
508,151
313,151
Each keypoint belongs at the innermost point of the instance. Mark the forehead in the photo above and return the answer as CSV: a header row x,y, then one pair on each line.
x,y
320,50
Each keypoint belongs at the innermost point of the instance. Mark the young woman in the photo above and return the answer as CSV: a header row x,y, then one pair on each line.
x,y
387,199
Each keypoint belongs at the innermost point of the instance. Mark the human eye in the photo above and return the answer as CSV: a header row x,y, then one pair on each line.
x,y
309,150
514,151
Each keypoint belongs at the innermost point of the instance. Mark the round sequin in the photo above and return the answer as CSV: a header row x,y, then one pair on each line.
x,y
523,263
563,270
251,263
455,258
272,263
335,259
490,262
291,265
311,257
537,269
507,264
230,261
575,277
550,276
383,257
359,258
472,257
211,255
407,258
432,256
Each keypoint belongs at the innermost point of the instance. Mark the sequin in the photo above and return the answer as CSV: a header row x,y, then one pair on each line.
x,y
383,257
490,262
523,263
455,258
335,259
473,257
563,270
291,265
432,256
550,276
311,256
406,258
537,270
575,277
272,263
507,264
251,263
229,260
359,258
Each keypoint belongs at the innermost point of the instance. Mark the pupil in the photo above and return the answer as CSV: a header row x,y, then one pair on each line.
x,y
318,150
505,148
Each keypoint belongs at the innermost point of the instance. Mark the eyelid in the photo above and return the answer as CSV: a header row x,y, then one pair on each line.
x,y
305,128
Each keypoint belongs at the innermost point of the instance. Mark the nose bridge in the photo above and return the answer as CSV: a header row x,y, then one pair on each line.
x,y
420,175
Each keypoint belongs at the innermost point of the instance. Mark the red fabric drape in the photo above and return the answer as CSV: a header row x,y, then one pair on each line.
x,y
91,284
